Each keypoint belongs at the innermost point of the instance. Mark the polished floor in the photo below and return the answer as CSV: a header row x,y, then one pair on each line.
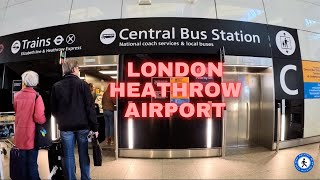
x,y
258,164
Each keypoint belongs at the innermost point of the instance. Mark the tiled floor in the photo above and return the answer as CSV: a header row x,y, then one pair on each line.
x,y
258,164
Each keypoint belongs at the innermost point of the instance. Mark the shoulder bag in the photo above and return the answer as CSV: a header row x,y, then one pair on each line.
x,y
42,139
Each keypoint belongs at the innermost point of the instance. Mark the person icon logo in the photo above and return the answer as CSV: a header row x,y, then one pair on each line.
x,y
304,162
285,43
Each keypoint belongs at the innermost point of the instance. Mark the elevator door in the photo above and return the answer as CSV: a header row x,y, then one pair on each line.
x,y
243,113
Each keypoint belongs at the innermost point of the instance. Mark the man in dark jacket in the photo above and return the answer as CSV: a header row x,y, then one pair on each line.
x,y
73,107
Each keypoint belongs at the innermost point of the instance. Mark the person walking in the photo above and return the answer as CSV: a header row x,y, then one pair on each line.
x,y
93,91
108,105
29,109
73,108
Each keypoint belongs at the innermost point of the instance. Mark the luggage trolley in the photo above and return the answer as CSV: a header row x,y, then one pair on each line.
x,y
7,130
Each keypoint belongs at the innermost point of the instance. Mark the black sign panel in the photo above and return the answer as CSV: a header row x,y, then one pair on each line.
x,y
16,85
288,79
284,42
129,36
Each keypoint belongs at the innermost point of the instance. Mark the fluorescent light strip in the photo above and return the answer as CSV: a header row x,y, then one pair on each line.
x,y
130,133
283,119
209,132
235,72
53,128
249,66
108,72
283,126
98,65
114,77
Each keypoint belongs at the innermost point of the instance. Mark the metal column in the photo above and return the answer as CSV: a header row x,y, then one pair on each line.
x,y
283,120
224,117
116,148
116,154
278,125
223,146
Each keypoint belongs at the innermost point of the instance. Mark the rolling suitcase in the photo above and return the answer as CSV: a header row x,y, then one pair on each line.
x,y
55,154
18,162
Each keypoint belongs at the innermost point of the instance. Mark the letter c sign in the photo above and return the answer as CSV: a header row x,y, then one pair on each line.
x,y
283,84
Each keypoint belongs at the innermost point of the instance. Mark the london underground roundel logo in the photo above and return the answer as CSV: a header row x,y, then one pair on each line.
x,y
15,47
285,43
304,162
1,48
107,36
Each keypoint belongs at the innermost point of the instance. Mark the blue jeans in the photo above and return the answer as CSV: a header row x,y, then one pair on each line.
x,y
68,139
109,121
32,164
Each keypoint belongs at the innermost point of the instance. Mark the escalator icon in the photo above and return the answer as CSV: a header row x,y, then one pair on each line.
x,y
285,43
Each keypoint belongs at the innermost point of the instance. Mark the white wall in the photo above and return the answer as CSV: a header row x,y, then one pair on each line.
x,y
170,8
309,45
296,14
34,14
311,117
3,3
93,10
243,10
2,12
310,50
313,1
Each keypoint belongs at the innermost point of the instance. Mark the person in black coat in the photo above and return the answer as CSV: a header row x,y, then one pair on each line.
x,y
73,108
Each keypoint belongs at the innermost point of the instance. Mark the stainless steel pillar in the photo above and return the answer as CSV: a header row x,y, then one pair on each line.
x,y
223,146
116,135
278,125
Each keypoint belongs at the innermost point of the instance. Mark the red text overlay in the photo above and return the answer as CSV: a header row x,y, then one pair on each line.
x,y
177,89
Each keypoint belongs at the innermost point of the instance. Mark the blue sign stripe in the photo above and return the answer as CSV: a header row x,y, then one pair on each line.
x,y
311,90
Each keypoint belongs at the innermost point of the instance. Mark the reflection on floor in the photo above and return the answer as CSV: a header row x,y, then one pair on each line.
x,y
245,150
258,164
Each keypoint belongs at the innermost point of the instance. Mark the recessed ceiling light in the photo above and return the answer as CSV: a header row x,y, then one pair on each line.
x,y
98,65
250,66
193,1
144,2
